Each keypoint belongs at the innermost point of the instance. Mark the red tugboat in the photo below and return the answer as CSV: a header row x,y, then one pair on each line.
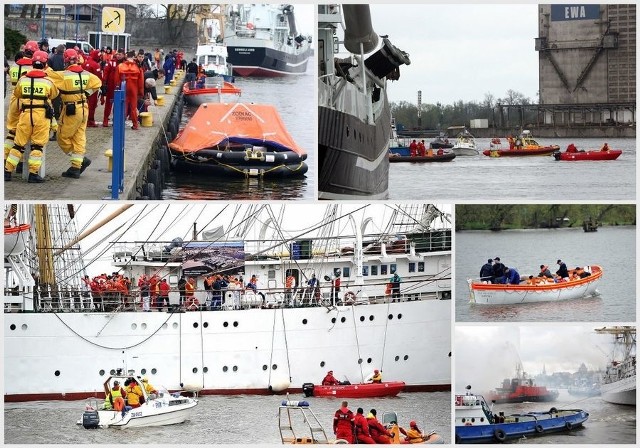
x,y
520,389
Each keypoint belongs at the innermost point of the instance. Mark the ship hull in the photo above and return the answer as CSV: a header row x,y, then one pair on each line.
x,y
620,392
257,351
255,58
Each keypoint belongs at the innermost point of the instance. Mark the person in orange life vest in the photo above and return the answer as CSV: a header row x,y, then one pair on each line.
x,y
75,84
343,423
130,72
92,65
605,147
413,149
329,379
378,432
33,94
377,376
23,65
164,293
135,397
151,391
111,83
153,291
414,435
192,302
421,148
290,286
362,428
116,392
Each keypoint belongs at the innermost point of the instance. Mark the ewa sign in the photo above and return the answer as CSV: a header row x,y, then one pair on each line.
x,y
574,12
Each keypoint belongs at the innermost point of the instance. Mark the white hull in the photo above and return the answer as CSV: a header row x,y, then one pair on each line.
x,y
490,294
240,351
114,419
620,392
465,151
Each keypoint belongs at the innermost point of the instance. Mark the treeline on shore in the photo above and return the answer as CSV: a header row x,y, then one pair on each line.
x,y
518,216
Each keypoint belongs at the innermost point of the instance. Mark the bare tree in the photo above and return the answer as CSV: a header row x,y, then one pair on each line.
x,y
178,16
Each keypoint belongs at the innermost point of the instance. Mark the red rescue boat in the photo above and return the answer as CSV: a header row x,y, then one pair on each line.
x,y
611,154
366,390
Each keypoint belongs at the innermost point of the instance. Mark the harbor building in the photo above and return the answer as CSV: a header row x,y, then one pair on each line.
x,y
587,65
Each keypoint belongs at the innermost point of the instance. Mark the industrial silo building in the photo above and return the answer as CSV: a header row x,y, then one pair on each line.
x,y
587,69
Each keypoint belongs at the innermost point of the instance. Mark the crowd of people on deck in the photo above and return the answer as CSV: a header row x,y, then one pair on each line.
x,y
356,428
493,271
57,92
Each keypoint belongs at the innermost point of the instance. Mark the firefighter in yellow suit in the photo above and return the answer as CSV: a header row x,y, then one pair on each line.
x,y
75,85
23,65
33,93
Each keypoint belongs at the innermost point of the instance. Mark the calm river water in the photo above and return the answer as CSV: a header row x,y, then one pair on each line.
x,y
242,419
613,248
294,99
539,178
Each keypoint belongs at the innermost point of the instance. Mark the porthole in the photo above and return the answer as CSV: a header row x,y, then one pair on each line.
x,y
24,327
397,358
143,326
134,326
194,370
371,318
12,326
390,316
205,369
481,419
165,326
235,368
205,324
360,361
400,316
143,371
56,373
473,419
265,367
369,360
101,372
361,318
464,419
154,371
322,363
343,319
175,325
112,372
225,368
274,367
235,324
406,357
304,321
225,324
333,320
195,325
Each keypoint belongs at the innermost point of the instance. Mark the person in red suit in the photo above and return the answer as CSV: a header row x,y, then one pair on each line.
x,y
92,65
343,423
164,294
109,84
130,72
378,432
362,428
329,379
413,149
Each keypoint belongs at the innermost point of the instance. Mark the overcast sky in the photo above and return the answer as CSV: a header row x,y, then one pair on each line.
x,y
461,51
485,355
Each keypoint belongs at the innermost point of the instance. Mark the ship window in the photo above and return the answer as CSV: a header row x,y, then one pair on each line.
x,y
154,371
369,360
464,419
473,420
390,316
420,266
225,324
24,326
392,268
235,324
271,274
371,318
374,270
322,363
164,326
265,367
173,279
397,358
12,326
205,325
360,361
225,368
194,370
406,357
383,269
481,419
143,326
361,318
400,316
175,325
304,321
365,271
101,372
412,267
274,367
56,373
195,325
343,319
333,320
346,272
235,368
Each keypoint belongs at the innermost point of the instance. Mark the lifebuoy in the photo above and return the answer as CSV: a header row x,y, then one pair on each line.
x,y
539,429
349,297
568,425
499,435
118,404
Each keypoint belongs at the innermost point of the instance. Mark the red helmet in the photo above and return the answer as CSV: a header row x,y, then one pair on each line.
x,y
31,46
69,54
376,371
40,56
413,423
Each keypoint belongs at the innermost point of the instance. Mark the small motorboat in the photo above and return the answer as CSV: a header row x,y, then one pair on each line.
x,y
611,154
523,145
501,294
475,421
446,157
212,57
390,421
159,409
441,141
363,390
214,90
241,139
465,144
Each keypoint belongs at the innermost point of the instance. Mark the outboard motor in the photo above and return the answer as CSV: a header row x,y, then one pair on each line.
x,y
90,419
386,61
307,389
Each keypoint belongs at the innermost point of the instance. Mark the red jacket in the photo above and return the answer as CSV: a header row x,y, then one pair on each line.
x,y
362,427
343,419
130,72
164,289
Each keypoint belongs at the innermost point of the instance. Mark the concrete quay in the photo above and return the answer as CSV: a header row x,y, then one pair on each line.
x,y
94,183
